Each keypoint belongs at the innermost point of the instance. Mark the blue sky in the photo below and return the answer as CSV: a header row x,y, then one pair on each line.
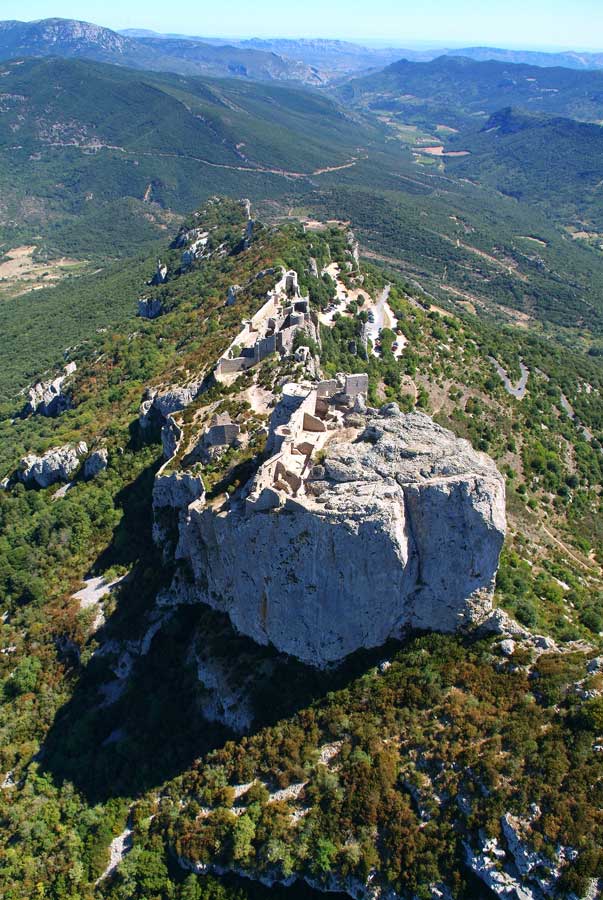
x,y
518,23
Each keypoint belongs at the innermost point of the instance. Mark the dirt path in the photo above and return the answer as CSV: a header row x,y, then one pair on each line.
x,y
265,170
566,549
569,409
382,316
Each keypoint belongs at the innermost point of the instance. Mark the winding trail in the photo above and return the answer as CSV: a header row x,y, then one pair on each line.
x,y
569,409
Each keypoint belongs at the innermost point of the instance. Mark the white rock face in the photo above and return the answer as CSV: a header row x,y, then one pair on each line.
x,y
400,529
160,276
58,464
171,435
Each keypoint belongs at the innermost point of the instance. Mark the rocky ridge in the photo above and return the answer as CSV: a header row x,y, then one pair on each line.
x,y
398,528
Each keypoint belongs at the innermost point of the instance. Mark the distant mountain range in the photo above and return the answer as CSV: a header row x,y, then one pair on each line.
x,y
316,62
569,60
70,38
346,56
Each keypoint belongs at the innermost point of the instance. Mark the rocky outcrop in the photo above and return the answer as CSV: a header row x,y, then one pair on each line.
x,y
150,307
157,407
161,272
233,291
512,869
49,398
96,463
173,494
196,249
399,528
58,464
171,435
354,247
248,239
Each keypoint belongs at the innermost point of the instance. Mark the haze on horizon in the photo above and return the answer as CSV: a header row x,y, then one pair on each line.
x,y
539,25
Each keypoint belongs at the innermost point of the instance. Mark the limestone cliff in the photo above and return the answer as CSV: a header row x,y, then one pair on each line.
x,y
399,527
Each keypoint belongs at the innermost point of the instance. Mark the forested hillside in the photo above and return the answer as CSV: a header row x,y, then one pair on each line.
x,y
82,144
93,751
452,90
553,162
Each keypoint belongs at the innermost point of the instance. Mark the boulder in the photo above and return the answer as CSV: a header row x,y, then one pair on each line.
x,y
57,464
507,647
403,532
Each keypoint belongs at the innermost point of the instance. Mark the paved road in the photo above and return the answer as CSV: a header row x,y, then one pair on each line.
x,y
515,390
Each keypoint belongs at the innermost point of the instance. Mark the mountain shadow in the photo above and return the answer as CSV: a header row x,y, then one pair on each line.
x,y
136,715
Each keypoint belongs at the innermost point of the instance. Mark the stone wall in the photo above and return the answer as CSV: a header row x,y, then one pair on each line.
x,y
231,366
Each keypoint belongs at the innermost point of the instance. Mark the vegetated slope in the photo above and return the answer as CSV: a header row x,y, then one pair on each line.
x,y
555,162
71,38
452,90
96,160
472,246
38,326
431,749
77,137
